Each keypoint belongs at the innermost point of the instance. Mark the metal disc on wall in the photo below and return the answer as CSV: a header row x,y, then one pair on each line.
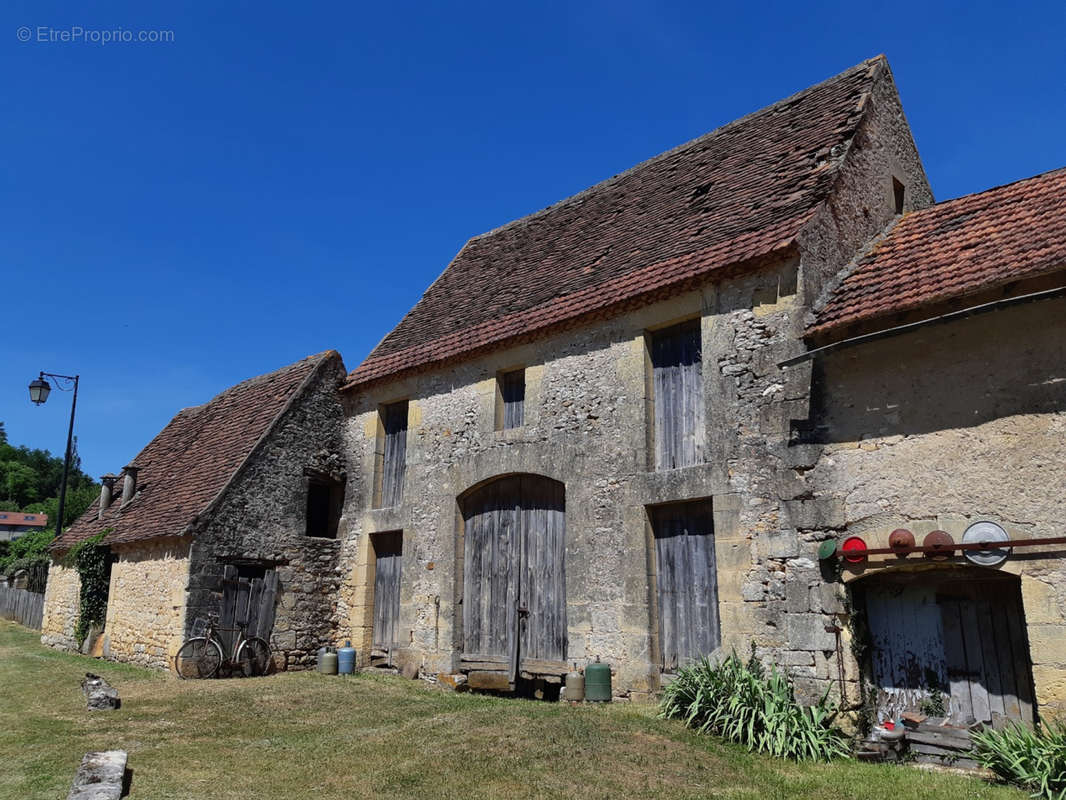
x,y
901,539
941,543
986,532
854,550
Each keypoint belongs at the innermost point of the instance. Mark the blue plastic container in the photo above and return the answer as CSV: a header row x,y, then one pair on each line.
x,y
346,659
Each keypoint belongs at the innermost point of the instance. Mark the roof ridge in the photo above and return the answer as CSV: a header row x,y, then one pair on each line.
x,y
256,378
579,196
940,205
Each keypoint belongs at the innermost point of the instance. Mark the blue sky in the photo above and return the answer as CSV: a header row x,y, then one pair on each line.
x,y
284,178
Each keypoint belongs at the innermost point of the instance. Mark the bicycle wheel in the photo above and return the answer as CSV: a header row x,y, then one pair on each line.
x,y
198,657
254,657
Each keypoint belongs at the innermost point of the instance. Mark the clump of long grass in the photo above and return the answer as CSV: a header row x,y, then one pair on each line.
x,y
739,701
1034,759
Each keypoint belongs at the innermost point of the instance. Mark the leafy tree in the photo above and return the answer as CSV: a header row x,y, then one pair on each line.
x,y
20,482
30,480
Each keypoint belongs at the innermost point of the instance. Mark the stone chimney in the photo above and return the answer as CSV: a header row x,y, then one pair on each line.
x,y
107,487
129,484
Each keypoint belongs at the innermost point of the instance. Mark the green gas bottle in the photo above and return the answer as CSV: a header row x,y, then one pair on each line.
x,y
598,682
327,661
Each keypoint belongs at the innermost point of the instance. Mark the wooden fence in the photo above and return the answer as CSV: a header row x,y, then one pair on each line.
x,y
25,608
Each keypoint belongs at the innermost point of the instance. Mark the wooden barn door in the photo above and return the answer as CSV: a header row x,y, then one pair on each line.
x,y
962,638
247,600
986,652
687,583
514,590
388,552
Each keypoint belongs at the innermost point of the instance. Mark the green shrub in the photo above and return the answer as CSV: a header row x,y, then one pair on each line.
x,y
1034,759
740,702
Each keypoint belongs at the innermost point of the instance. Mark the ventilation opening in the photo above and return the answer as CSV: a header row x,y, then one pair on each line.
x,y
325,498
899,192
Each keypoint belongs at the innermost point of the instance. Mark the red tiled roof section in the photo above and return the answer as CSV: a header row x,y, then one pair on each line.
x,y
739,192
194,457
953,249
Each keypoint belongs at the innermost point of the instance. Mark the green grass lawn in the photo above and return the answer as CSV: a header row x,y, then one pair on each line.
x,y
300,735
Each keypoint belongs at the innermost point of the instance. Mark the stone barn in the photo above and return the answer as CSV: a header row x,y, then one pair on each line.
x,y
940,405
630,426
577,444
734,398
242,492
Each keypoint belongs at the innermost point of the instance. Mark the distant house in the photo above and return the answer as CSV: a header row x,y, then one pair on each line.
x,y
15,523
244,488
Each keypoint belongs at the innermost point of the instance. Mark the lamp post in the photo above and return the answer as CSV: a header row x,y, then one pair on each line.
x,y
40,388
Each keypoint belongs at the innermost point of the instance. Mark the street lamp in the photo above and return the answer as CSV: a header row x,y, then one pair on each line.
x,y
40,388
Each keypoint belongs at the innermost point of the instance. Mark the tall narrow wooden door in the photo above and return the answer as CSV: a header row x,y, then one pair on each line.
x,y
388,554
687,582
249,597
514,583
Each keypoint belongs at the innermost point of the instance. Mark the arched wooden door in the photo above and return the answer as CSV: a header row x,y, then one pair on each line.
x,y
514,579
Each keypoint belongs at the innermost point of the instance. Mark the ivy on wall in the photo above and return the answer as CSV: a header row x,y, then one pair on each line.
x,y
92,560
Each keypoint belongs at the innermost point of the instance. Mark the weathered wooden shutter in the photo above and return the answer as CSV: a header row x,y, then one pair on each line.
x,y
687,582
388,550
513,391
678,386
394,463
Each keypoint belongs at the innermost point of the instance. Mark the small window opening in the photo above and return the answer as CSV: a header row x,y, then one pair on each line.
x,y
899,192
325,499
251,571
512,389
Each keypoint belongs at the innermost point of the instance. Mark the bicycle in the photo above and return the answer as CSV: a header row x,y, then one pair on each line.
x,y
202,656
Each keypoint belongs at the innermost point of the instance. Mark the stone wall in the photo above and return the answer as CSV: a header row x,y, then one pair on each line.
x,y
145,621
587,426
945,426
261,520
60,607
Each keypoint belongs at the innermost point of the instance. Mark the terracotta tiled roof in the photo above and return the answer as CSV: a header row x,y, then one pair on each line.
x,y
18,518
956,248
194,457
740,192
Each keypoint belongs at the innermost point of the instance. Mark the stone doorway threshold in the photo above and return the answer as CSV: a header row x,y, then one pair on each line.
x,y
930,743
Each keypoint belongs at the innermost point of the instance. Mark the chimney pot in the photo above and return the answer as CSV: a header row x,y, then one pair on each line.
x,y
129,483
107,486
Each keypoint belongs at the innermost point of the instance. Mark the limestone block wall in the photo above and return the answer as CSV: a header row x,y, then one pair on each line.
x,y
586,426
145,621
261,520
587,409
60,607
946,426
